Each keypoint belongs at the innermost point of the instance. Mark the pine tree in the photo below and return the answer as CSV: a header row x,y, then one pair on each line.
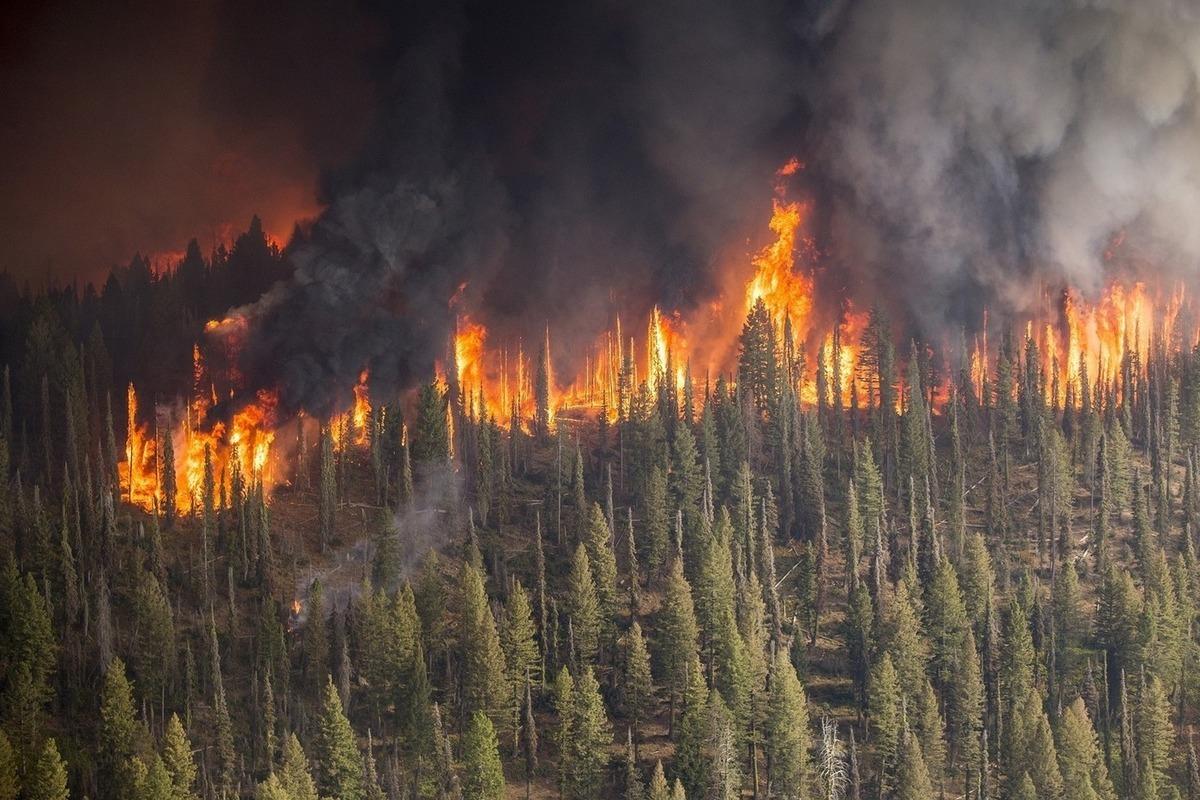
x,y
518,643
1153,729
119,732
692,766
912,779
1085,776
886,713
481,761
485,687
339,766
294,773
48,778
787,736
636,689
659,790
603,563
657,521
591,735
583,607
177,757
677,634
564,707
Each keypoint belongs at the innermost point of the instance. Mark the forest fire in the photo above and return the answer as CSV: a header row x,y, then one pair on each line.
x,y
1081,339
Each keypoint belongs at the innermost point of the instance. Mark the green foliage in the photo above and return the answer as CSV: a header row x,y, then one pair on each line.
x,y
787,735
339,766
119,733
48,778
583,608
591,735
485,685
484,776
177,758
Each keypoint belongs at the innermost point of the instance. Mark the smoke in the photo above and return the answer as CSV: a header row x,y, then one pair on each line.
x,y
978,151
556,165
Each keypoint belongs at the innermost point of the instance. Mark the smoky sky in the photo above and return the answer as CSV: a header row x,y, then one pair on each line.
x,y
568,160
133,127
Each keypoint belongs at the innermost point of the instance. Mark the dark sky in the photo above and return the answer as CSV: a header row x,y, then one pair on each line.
x,y
135,126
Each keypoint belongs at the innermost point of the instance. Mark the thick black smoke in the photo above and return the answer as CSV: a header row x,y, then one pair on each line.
x,y
571,160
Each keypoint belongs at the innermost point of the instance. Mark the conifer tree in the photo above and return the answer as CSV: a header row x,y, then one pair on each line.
x,y
633,779
677,634
591,734
887,724
564,707
659,790
637,688
294,773
177,758
519,646
119,733
583,607
912,779
603,563
316,639
529,738
1085,776
48,778
169,490
485,686
339,766
691,763
1153,729
787,735
657,517
484,776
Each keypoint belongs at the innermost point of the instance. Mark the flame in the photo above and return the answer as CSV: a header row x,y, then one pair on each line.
x,y
361,413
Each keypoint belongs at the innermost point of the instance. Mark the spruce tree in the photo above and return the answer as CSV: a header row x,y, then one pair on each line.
x,y
591,735
119,733
786,735
294,773
518,644
583,607
48,778
1080,758
484,776
177,757
484,682
339,767
677,634
912,779
636,688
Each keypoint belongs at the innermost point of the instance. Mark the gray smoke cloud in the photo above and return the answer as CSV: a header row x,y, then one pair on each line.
x,y
597,157
977,149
